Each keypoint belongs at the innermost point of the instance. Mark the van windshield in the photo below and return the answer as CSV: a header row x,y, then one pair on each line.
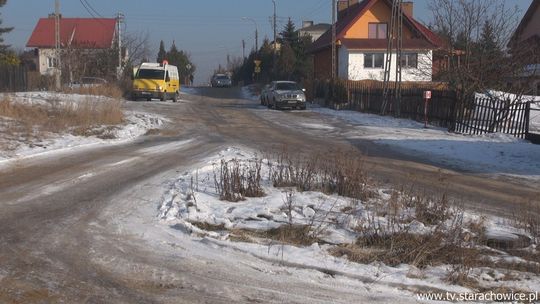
x,y
151,74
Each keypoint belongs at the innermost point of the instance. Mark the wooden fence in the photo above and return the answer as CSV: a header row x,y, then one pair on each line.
x,y
475,116
367,96
18,78
486,115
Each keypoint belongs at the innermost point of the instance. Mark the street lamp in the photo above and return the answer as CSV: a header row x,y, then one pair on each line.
x,y
256,32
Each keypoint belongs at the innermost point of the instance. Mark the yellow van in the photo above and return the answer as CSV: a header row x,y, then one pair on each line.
x,y
154,80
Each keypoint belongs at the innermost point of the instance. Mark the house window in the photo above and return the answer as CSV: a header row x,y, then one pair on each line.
x,y
51,62
378,30
409,60
373,60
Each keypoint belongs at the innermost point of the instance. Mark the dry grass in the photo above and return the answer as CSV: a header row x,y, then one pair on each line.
x,y
108,90
57,117
235,180
339,173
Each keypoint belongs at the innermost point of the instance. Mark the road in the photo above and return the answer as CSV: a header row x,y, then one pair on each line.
x,y
78,226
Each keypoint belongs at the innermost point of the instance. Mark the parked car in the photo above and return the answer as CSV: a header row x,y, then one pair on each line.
x,y
87,82
286,94
264,94
221,81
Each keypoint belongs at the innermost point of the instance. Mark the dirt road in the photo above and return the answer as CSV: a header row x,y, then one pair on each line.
x,y
77,226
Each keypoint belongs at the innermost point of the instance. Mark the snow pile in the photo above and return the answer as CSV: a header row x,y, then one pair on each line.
x,y
192,205
16,145
250,93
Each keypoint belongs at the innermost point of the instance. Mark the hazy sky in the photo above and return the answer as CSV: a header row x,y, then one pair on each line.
x,y
208,29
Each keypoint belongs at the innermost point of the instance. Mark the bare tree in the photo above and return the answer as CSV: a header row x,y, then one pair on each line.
x,y
465,25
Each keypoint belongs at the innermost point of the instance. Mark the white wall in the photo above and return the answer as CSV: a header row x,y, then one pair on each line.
x,y
352,67
44,54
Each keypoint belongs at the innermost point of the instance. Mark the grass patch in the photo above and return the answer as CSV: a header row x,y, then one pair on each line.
x,y
108,90
77,118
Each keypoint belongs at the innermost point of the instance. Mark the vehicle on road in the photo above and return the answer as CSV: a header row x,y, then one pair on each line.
x,y
221,81
88,82
156,80
286,95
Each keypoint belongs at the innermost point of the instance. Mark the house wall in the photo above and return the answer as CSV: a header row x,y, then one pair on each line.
x,y
533,28
43,62
355,67
322,64
379,12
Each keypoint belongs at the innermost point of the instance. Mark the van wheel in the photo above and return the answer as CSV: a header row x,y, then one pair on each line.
x,y
148,99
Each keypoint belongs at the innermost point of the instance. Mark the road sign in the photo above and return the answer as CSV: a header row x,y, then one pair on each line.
x,y
257,69
257,63
427,94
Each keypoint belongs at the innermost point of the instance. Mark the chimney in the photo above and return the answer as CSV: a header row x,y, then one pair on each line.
x,y
343,7
408,7
307,24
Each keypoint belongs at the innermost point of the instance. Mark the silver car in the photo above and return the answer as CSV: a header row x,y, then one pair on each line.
x,y
286,95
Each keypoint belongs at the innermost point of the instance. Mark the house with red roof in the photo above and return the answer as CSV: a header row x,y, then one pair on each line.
x,y
85,35
362,38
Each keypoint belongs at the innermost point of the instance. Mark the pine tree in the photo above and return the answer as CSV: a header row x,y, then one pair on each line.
x,y
487,43
289,34
3,30
162,54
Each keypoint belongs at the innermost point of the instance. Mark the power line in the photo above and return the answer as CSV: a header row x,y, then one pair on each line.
x,y
92,8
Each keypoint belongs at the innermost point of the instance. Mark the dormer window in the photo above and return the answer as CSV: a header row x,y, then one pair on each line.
x,y
377,30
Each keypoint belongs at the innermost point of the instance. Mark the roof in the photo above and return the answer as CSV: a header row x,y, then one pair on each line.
x,y
526,19
95,33
382,44
320,27
356,12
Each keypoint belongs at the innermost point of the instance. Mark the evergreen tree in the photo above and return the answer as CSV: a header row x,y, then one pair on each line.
x,y
3,30
162,53
180,59
487,43
289,34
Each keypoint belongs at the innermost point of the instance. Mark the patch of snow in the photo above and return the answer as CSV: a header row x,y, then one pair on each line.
x,y
249,93
494,153
192,198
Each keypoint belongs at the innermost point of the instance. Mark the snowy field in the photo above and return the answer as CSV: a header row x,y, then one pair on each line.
x,y
13,147
192,207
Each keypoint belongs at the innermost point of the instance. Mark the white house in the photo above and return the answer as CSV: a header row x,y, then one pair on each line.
x,y
362,39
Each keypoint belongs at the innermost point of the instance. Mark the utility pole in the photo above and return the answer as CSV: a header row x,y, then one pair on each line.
x,y
119,21
243,49
275,39
395,32
334,34
256,32
58,45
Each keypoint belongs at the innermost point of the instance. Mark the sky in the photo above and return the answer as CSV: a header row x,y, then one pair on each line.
x,y
208,30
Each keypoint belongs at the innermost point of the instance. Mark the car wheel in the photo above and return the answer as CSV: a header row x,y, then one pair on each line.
x,y
148,99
